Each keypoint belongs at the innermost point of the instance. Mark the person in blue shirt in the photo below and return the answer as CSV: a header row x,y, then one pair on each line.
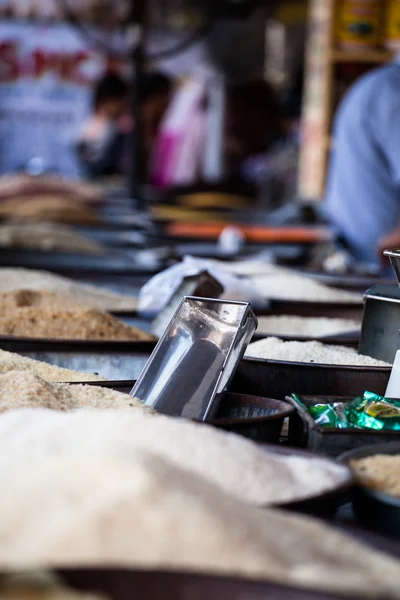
x,y
363,189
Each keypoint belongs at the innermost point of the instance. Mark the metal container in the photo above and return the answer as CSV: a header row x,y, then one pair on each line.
x,y
256,418
304,432
195,359
278,379
375,510
130,584
118,263
201,285
111,360
380,337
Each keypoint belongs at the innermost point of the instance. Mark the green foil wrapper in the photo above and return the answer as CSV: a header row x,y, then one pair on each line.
x,y
374,412
325,415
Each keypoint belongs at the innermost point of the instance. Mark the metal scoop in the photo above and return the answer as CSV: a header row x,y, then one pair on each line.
x,y
196,357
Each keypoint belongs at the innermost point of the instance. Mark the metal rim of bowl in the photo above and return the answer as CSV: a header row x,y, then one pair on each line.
x,y
365,452
288,363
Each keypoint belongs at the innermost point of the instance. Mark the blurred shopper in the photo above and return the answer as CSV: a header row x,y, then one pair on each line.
x,y
102,145
363,190
262,143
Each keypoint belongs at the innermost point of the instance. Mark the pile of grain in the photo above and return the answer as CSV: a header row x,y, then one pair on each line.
x,y
10,301
44,281
234,463
59,209
286,285
310,352
27,185
138,510
77,324
305,326
46,236
27,390
380,472
9,361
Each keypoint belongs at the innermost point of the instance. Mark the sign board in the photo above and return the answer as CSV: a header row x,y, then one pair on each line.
x,y
47,73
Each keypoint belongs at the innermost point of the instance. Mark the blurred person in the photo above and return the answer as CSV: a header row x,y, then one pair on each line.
x,y
363,188
102,144
262,142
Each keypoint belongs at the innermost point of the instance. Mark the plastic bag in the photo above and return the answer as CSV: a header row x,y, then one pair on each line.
x,y
156,293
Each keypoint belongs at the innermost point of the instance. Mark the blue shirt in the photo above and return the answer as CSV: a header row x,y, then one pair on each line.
x,y
363,188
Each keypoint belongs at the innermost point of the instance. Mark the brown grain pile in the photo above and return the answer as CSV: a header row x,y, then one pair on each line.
x,y
28,185
60,209
78,324
28,390
380,472
12,280
46,236
9,361
10,301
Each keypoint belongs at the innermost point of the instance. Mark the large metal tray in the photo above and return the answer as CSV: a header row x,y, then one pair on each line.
x,y
124,584
107,359
278,379
312,309
65,262
303,430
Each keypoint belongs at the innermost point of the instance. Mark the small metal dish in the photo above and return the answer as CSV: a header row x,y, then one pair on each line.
x,y
375,510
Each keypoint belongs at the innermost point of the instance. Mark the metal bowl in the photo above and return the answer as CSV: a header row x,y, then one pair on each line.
x,y
375,510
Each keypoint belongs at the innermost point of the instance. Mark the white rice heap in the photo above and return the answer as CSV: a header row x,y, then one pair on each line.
x,y
305,326
31,279
231,462
310,352
19,389
287,285
78,490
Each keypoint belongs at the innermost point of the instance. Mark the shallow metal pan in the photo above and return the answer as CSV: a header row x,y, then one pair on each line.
x,y
124,584
278,379
63,262
312,309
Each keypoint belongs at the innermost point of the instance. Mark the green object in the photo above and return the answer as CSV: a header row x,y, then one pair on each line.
x,y
374,412
325,415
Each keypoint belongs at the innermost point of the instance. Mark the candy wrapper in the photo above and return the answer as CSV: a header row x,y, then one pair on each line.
x,y
374,412
369,412
326,415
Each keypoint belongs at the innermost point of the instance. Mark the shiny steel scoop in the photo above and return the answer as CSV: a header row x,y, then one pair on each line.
x,y
196,357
